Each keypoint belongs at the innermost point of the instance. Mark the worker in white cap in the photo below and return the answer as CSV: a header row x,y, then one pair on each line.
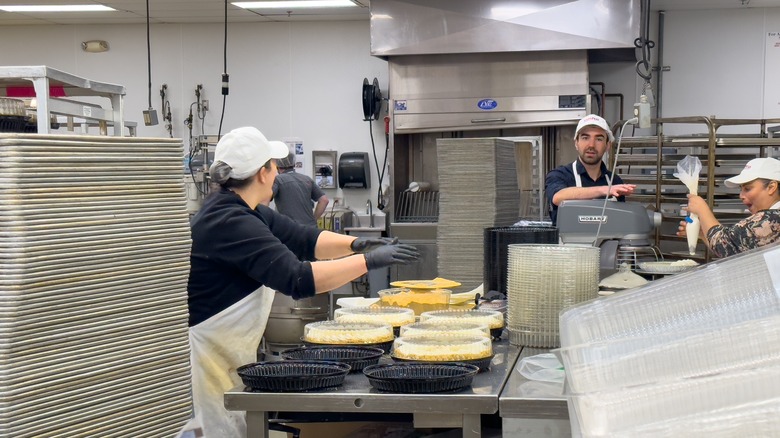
x,y
242,252
759,184
587,177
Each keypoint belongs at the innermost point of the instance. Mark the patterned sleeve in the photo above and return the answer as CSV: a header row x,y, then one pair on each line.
x,y
757,230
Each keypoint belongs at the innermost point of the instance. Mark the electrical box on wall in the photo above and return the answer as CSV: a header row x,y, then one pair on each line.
x,y
354,171
324,169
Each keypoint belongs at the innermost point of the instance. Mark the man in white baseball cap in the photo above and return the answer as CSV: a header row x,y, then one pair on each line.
x,y
759,184
588,176
242,253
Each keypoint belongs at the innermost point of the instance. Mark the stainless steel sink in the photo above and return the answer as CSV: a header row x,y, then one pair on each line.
x,y
364,231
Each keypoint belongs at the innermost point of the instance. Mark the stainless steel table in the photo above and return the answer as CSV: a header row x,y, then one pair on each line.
x,y
356,395
533,408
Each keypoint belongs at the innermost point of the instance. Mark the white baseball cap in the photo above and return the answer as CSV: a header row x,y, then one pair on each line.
x,y
242,152
594,120
765,168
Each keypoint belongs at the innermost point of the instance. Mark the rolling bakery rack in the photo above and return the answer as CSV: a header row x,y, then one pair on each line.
x,y
650,161
51,85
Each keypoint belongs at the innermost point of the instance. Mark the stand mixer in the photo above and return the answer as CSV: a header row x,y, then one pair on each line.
x,y
625,236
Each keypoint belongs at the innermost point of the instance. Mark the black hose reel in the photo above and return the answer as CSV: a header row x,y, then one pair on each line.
x,y
372,100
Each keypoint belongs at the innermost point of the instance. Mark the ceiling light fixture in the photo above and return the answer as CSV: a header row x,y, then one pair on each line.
x,y
55,8
295,4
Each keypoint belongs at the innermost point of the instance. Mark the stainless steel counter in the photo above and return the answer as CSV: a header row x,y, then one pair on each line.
x,y
532,408
356,395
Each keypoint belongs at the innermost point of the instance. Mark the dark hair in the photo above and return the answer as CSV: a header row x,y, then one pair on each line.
x,y
232,183
287,162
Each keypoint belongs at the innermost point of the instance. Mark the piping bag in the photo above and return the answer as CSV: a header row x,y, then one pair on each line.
x,y
688,170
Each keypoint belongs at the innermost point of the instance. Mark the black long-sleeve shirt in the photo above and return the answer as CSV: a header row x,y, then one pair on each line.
x,y
235,250
563,177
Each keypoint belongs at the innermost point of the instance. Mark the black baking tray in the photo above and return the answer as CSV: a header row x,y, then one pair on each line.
x,y
483,364
12,123
292,375
421,377
385,346
357,357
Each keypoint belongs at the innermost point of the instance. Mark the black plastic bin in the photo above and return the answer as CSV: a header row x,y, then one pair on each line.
x,y
497,241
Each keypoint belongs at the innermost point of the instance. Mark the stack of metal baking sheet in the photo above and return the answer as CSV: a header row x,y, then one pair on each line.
x,y
94,253
477,190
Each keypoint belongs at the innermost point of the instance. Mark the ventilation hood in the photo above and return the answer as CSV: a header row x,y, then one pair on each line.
x,y
467,65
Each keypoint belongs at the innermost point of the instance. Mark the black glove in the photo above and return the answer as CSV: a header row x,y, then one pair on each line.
x,y
398,254
365,244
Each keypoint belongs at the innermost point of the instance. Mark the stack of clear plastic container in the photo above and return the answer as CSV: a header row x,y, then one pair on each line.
x,y
679,356
602,414
635,361
752,419
717,294
541,281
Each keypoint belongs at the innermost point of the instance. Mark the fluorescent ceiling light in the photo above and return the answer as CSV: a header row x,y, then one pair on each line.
x,y
55,8
295,4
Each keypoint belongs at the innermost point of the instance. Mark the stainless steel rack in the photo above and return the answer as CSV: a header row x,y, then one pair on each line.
x,y
43,78
417,207
650,161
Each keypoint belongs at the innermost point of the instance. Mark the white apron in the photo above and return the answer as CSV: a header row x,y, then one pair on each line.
x,y
578,179
218,346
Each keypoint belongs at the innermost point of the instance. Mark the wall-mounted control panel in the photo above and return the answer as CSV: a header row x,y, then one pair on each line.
x,y
325,169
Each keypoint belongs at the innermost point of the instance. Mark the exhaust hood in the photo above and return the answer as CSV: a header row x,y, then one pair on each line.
x,y
415,27
468,65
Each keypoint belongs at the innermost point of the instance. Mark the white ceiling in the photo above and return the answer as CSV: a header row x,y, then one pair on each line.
x,y
172,11
213,11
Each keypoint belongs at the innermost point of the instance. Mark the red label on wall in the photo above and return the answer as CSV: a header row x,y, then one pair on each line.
x,y
54,91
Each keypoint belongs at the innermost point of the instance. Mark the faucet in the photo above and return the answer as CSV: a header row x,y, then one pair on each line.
x,y
370,213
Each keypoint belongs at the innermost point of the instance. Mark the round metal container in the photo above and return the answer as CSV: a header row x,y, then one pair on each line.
x,y
289,316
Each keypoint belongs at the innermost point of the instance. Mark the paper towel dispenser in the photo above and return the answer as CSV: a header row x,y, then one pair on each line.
x,y
354,171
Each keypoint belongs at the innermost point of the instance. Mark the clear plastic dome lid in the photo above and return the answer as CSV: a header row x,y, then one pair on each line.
x,y
443,349
337,332
445,329
491,318
395,316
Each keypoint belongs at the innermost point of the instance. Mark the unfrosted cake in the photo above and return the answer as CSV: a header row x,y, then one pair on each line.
x,y
443,349
347,333
395,316
445,329
419,301
493,319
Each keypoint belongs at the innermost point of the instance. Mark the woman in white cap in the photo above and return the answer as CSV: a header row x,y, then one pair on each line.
x,y
759,184
242,252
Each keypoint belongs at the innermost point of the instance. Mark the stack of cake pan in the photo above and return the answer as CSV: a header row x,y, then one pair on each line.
x,y
695,354
94,252
477,190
